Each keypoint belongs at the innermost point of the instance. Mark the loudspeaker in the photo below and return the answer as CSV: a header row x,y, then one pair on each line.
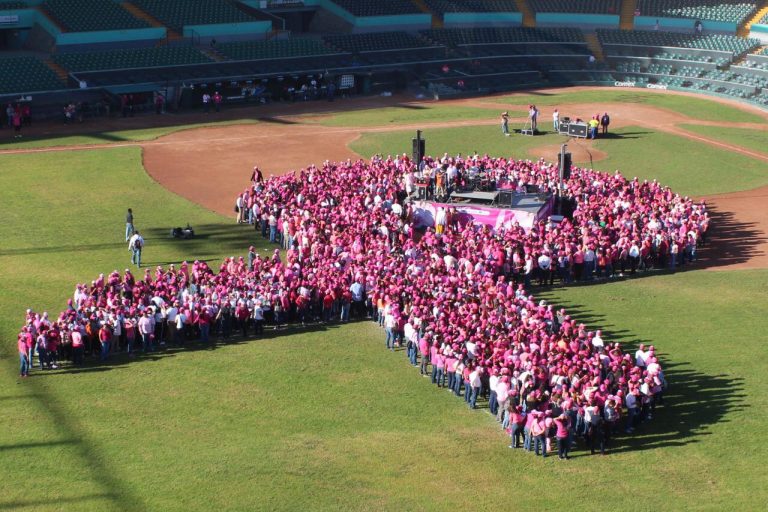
x,y
419,149
531,189
505,197
565,166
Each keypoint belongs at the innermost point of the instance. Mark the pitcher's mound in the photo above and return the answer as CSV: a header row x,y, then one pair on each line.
x,y
582,152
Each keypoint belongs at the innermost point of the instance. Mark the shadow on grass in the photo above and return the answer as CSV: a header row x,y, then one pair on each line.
x,y
732,241
87,452
121,359
692,403
18,504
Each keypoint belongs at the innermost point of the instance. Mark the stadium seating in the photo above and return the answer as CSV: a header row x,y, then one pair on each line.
x,y
763,20
178,13
496,35
718,42
273,49
91,15
443,6
26,74
718,10
127,59
377,7
6,6
580,6
376,41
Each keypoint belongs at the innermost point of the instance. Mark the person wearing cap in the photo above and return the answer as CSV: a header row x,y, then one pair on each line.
x,y
146,330
23,357
129,229
539,434
562,435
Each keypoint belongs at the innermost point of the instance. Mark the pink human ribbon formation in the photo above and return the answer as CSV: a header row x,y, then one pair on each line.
x,y
454,291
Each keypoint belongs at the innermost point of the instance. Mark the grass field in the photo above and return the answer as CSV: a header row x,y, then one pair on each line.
x,y
327,419
756,140
698,108
635,151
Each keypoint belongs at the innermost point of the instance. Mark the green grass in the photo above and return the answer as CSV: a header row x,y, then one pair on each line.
x,y
696,108
328,419
689,167
756,140
107,137
436,112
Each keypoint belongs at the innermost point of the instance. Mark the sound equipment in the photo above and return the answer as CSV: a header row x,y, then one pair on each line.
x,y
563,128
577,130
421,191
505,197
419,149
564,165
531,189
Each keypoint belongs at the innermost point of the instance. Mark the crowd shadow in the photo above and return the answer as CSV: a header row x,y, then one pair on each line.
x,y
731,241
692,403
121,359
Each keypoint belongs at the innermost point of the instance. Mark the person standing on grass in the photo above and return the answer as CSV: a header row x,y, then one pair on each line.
x,y
129,229
23,357
146,329
76,336
556,120
105,336
563,436
604,122
135,245
505,123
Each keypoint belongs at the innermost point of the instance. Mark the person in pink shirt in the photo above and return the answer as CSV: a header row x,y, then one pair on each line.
x,y
23,358
76,337
563,424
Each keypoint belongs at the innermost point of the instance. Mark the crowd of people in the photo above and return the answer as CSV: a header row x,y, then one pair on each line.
x,y
457,298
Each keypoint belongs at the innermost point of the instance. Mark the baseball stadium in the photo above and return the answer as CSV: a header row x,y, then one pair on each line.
x,y
383,254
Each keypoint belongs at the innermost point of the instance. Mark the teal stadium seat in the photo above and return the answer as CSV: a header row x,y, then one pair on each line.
x,y
377,7
91,15
25,75
444,6
274,49
128,59
717,42
717,10
579,7
178,13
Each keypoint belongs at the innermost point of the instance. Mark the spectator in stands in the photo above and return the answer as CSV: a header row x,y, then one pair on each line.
x,y
9,115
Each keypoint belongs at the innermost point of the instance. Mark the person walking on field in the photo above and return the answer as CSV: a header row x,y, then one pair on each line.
x,y
129,229
135,245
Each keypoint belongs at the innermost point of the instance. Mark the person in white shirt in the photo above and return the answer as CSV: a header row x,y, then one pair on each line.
x,y
556,120
475,380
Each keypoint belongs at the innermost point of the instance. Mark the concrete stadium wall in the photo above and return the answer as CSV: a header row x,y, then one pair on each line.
x,y
759,32
458,19
224,29
572,19
362,23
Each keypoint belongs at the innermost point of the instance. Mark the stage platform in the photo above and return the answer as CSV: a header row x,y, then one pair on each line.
x,y
498,209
